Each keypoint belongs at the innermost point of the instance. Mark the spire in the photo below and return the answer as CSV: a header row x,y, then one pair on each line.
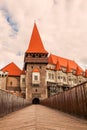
x,y
58,67
86,73
68,68
53,59
78,71
36,45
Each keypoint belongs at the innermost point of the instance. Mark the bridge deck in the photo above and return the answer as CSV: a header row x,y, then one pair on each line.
x,y
37,117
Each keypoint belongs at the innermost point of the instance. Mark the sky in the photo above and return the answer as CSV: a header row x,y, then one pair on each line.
x,y
62,25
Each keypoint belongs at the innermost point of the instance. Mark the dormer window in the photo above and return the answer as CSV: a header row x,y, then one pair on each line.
x,y
35,76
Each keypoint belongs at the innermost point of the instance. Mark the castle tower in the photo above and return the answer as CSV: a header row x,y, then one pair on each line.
x,y
35,62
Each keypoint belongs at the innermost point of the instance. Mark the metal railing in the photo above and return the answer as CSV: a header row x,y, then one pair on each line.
x,y
10,103
73,101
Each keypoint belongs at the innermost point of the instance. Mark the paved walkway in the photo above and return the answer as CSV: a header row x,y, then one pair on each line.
x,y
37,117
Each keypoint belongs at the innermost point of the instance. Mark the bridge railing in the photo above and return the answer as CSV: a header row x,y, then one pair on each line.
x,y
10,103
72,101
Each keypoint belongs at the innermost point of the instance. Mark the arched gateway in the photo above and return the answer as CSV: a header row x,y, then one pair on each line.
x,y
36,101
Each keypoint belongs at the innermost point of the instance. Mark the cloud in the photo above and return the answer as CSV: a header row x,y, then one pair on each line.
x,y
9,19
19,53
62,25
55,2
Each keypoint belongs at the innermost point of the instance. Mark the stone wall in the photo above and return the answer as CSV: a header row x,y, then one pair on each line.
x,y
13,83
38,91
3,82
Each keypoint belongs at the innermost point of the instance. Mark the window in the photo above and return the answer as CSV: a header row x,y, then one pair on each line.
x,y
70,79
53,90
2,75
49,75
75,81
35,77
33,55
11,83
40,67
31,67
64,79
35,90
52,76
58,77
23,79
79,81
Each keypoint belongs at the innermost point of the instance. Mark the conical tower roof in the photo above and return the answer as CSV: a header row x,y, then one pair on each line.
x,y
36,45
68,70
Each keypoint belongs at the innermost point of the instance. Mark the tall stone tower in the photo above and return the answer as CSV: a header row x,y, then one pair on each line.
x,y
35,62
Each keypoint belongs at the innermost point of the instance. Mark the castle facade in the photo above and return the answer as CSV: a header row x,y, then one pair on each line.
x,y
43,75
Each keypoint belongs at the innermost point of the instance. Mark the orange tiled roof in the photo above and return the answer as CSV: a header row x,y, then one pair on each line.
x,y
58,67
79,71
35,70
36,45
53,59
68,68
23,72
85,73
12,69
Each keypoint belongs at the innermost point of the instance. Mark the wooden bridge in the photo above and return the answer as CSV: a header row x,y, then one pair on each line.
x,y
38,117
44,117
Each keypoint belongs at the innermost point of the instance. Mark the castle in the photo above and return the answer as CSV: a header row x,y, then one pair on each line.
x,y
43,75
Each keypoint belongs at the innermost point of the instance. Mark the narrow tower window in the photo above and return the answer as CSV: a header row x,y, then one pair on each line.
x,y
35,77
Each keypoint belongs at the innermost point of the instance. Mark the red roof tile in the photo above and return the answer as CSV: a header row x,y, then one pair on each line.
x,y
36,45
12,69
35,70
53,59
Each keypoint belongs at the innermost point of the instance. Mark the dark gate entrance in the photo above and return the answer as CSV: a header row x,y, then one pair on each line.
x,y
36,101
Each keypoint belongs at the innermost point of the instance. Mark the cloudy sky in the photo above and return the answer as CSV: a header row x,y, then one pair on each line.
x,y
62,25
